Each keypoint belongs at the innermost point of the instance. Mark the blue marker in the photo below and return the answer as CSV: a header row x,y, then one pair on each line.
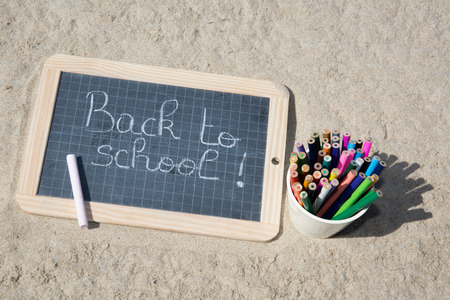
x,y
351,145
359,153
312,152
373,165
379,168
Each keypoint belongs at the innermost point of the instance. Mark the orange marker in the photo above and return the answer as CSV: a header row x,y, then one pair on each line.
x,y
327,148
296,189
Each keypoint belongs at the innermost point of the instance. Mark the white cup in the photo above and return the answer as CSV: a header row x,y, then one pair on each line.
x,y
312,226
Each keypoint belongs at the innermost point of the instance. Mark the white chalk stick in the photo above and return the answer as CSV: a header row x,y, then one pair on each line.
x,y
76,189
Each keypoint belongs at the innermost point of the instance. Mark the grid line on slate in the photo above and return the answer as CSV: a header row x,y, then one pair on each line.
x,y
243,117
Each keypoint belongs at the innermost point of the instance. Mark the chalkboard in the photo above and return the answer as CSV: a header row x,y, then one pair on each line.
x,y
159,144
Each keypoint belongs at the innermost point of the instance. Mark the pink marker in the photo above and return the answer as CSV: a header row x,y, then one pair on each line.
x,y
76,189
366,147
345,140
352,154
343,162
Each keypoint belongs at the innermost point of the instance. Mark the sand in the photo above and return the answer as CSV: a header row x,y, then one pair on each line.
x,y
378,69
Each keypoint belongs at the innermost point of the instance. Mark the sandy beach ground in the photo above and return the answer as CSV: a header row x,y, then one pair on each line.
x,y
374,68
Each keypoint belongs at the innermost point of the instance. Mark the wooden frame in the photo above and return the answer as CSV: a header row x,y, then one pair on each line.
x,y
265,230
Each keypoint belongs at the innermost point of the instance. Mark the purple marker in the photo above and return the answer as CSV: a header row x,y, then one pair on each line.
x,y
300,147
345,140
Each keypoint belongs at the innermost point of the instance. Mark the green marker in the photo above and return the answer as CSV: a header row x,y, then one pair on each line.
x,y
327,162
356,194
369,198
306,202
302,159
351,166
316,137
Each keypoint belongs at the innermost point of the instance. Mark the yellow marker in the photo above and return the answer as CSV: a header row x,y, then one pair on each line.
x,y
308,180
334,174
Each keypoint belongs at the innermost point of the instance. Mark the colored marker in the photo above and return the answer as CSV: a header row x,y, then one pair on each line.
x,y
365,201
306,201
366,164
320,184
294,177
334,174
308,180
344,196
352,153
311,190
366,147
359,191
337,192
345,140
334,184
359,153
312,152
317,166
375,177
351,145
380,168
326,134
351,166
296,189
335,154
360,162
300,147
372,166
324,192
293,159
359,143
322,181
343,162
327,162
335,133
316,137
305,171
327,148
316,176
77,190
320,155
335,139
302,159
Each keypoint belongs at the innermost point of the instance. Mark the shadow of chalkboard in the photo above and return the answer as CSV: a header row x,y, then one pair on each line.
x,y
158,146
